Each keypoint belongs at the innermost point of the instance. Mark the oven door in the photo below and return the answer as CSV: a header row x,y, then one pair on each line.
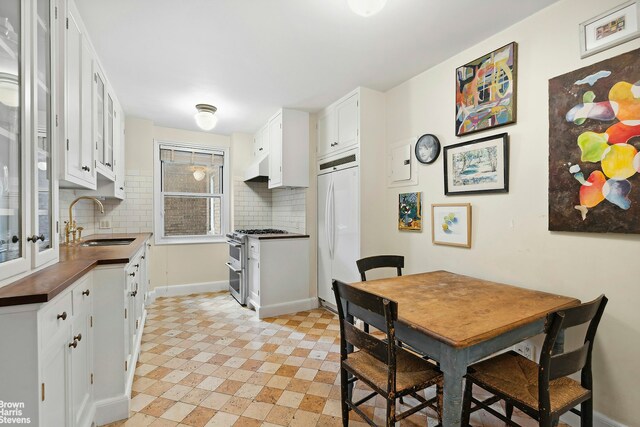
x,y
236,280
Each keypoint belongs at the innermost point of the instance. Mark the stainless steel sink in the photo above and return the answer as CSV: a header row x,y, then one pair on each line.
x,y
108,242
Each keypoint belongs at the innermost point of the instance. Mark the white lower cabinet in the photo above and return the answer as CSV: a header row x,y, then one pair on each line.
x,y
70,361
274,290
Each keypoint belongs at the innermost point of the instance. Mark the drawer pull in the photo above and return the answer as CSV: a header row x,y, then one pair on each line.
x,y
78,337
86,293
62,316
74,344
132,274
137,266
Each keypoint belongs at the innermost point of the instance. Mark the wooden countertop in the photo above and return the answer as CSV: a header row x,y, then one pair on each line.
x,y
75,262
278,236
461,311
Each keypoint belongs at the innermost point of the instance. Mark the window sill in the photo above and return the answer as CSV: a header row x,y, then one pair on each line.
x,y
190,240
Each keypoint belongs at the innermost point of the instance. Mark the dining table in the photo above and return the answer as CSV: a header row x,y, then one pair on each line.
x,y
457,320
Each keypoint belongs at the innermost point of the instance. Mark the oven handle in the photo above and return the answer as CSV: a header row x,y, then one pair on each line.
x,y
233,269
234,244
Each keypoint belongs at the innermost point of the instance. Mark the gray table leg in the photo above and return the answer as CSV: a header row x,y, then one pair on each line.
x,y
454,367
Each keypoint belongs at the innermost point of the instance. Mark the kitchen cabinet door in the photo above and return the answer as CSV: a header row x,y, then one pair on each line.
x,y
326,132
14,253
324,226
81,356
77,165
275,151
43,237
119,153
347,123
263,148
53,388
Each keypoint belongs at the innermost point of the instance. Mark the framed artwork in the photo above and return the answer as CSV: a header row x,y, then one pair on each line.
x,y
594,140
478,166
451,224
427,149
486,91
609,29
409,212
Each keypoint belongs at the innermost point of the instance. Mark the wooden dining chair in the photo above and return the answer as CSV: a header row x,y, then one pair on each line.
x,y
541,390
389,370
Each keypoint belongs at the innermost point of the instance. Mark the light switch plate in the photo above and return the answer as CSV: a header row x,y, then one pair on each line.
x,y
104,224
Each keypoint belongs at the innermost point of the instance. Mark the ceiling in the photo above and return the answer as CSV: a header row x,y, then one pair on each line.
x,y
252,57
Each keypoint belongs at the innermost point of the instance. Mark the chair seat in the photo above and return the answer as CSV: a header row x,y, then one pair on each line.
x,y
515,376
411,372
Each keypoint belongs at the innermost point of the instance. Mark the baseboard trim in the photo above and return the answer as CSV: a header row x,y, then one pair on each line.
x,y
286,307
599,420
111,410
186,289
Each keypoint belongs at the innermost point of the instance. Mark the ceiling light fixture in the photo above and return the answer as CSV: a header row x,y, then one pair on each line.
x,y
366,8
205,118
199,174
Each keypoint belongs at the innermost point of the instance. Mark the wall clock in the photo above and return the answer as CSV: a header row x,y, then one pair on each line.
x,y
427,149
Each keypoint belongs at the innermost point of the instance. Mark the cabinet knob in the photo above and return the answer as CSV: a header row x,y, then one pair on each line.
x,y
62,316
35,238
134,293
86,168
108,164
78,338
142,257
15,239
132,274
121,188
260,149
137,266
74,344
86,293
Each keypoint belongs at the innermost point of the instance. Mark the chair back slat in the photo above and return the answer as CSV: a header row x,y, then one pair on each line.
x,y
366,342
568,363
380,261
581,314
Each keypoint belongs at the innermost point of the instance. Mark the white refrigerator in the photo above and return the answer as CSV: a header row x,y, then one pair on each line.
x,y
338,226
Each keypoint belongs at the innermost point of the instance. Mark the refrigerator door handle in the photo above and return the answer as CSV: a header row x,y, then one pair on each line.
x,y
333,219
327,224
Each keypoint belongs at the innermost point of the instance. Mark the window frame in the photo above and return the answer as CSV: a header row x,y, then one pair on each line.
x,y
158,197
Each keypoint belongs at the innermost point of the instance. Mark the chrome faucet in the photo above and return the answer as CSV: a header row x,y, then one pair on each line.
x,y
70,227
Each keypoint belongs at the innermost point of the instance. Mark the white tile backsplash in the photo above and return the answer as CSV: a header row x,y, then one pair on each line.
x,y
255,206
132,215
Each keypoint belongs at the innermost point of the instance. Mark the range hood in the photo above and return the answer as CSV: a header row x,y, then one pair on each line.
x,y
258,170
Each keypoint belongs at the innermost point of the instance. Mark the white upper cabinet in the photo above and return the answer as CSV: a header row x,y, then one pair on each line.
x,y
28,180
77,166
339,126
289,149
89,110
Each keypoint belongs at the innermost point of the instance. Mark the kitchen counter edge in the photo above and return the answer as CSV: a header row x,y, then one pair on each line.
x,y
75,261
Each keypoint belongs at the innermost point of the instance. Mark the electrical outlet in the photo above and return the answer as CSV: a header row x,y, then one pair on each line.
x,y
105,224
526,349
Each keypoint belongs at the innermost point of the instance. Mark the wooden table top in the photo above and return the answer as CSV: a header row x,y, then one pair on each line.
x,y
460,310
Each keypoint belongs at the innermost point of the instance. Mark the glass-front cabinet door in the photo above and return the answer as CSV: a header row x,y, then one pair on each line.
x,y
13,255
43,238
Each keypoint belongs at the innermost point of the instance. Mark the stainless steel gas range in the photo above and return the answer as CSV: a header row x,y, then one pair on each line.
x,y
239,259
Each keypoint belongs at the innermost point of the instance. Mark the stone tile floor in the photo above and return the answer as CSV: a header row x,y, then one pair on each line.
x,y
206,361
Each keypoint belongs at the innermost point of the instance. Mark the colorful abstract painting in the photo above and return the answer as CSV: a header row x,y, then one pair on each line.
x,y
594,139
486,91
409,212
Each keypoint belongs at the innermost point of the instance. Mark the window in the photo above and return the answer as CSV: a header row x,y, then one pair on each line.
x,y
191,193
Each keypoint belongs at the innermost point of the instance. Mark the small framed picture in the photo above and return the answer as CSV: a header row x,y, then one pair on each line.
x,y
409,212
451,224
478,166
609,29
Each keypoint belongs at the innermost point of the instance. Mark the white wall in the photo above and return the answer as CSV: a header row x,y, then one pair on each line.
x,y
510,239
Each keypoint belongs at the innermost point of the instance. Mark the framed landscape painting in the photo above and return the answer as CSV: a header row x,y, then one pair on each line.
x,y
486,91
594,144
451,224
409,212
478,166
